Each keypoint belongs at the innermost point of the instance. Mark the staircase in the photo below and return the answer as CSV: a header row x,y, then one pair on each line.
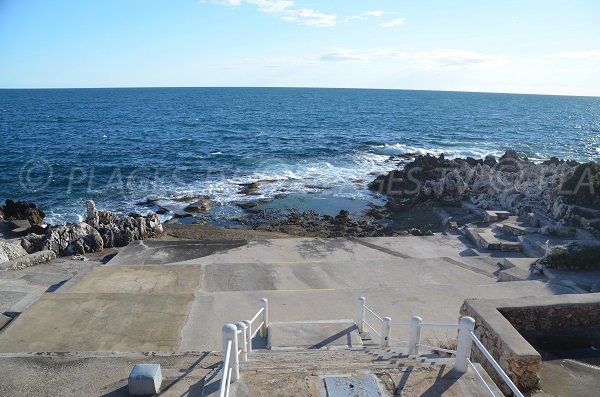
x,y
313,363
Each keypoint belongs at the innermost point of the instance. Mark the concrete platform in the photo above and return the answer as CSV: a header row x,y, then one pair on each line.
x,y
181,306
190,375
140,279
137,322
160,252
313,334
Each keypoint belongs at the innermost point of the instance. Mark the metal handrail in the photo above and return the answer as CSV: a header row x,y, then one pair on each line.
x,y
225,373
436,348
496,366
262,309
257,330
372,329
483,382
373,313
433,325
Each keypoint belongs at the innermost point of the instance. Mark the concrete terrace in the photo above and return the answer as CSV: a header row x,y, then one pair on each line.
x,y
174,296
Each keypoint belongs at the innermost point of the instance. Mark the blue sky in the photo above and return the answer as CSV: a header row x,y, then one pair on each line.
x,y
549,47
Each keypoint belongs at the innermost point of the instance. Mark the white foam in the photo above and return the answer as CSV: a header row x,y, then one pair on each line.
x,y
398,149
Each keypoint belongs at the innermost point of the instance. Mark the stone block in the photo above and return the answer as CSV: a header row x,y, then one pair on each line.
x,y
145,380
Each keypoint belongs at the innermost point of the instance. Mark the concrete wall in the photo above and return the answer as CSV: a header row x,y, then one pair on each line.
x,y
498,322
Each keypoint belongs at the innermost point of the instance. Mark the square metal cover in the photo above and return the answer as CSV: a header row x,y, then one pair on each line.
x,y
351,386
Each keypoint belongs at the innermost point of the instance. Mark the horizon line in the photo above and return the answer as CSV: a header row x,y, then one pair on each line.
x,y
299,87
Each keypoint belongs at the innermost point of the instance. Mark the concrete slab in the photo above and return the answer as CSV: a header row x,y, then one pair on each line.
x,y
313,334
99,322
190,375
142,279
160,252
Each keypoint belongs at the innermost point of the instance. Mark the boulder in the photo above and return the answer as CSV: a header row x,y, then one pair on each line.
x,y
69,239
1,215
10,251
201,205
23,210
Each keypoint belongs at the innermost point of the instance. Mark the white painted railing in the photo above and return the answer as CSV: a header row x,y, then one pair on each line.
x,y
462,354
230,371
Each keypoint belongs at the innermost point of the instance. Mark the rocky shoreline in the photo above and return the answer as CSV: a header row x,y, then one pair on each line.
x,y
418,198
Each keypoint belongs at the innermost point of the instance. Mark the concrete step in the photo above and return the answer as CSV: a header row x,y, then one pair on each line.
x,y
478,264
353,372
313,334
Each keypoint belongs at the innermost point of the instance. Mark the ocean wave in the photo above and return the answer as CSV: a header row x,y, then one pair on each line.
x,y
399,149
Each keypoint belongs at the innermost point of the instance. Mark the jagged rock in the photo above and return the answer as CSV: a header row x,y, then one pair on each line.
x,y
28,260
117,232
514,183
64,240
10,251
1,215
250,189
23,210
490,160
201,205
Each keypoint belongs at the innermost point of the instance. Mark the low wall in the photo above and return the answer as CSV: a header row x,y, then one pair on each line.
x,y
498,323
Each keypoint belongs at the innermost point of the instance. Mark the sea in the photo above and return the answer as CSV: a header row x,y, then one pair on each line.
x,y
310,148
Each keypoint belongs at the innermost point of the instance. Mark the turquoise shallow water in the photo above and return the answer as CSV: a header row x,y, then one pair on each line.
x,y
120,146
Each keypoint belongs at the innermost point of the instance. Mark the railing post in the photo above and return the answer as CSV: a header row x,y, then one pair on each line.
x,y
415,335
386,330
230,334
464,343
360,314
264,329
248,335
241,326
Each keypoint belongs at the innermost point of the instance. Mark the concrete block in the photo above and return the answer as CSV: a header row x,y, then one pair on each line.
x,y
145,380
490,216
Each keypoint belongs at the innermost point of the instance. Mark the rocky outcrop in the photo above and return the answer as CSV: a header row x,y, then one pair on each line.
x,y
1,214
513,183
23,210
118,232
10,251
28,260
203,204
312,224
69,239
102,229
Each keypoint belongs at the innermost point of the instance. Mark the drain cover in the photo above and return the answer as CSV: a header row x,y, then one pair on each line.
x,y
351,386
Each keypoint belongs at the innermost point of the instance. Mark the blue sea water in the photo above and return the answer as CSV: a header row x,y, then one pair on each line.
x,y
121,146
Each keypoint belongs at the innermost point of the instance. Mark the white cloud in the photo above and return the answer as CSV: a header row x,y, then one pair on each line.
x,y
374,13
392,23
352,55
230,3
288,11
580,54
458,59
440,59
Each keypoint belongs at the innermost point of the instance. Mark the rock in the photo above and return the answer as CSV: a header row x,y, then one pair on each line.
x,y
10,251
149,202
1,215
250,189
120,232
28,260
23,210
490,160
185,199
512,155
64,240
515,184
162,211
201,205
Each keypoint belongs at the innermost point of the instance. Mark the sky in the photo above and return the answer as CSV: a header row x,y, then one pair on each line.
x,y
525,46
